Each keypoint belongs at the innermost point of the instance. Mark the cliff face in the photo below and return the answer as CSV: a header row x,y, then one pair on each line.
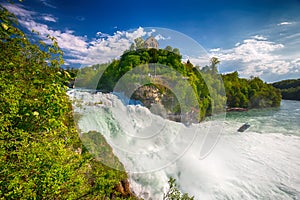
x,y
159,101
163,102
148,95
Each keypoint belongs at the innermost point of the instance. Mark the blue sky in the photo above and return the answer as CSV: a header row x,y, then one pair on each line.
x,y
259,38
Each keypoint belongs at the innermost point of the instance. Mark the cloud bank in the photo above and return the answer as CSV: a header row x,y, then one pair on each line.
x,y
258,55
78,49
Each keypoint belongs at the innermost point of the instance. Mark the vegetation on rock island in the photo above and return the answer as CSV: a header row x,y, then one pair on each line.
x,y
211,91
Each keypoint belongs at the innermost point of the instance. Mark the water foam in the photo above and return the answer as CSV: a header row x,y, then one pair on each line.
x,y
241,166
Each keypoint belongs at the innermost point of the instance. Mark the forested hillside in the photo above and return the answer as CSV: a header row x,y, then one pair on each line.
x,y
290,89
250,93
164,70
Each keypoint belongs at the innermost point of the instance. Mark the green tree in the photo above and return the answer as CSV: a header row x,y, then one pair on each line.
x,y
139,43
132,47
176,51
40,150
252,93
173,193
290,89
169,48
214,62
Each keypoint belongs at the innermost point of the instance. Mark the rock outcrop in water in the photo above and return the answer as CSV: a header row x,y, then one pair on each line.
x,y
164,103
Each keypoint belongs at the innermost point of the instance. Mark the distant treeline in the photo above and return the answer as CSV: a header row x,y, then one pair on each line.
x,y
290,89
250,93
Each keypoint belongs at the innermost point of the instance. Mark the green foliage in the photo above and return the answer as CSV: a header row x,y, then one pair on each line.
x,y
88,77
39,144
139,43
173,193
176,51
96,145
187,73
290,89
169,48
206,84
214,62
286,84
253,93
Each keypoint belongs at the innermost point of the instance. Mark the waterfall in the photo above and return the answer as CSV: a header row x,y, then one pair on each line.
x,y
247,165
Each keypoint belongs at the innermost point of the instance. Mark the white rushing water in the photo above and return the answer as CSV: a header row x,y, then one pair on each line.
x,y
261,163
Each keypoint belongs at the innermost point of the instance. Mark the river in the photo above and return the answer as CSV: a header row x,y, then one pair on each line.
x,y
261,163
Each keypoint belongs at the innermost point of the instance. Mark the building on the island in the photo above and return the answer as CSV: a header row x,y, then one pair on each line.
x,y
151,42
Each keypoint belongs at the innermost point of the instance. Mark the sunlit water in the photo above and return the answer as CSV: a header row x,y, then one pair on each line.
x,y
261,163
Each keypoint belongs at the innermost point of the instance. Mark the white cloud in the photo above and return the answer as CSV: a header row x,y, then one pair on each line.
x,y
24,14
254,56
160,37
259,37
19,10
47,3
105,49
251,50
215,50
66,40
102,35
49,18
292,36
257,57
284,23
150,32
132,35
78,49
296,61
201,60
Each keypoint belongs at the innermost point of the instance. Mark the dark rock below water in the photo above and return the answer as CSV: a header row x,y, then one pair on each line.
x,y
244,127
